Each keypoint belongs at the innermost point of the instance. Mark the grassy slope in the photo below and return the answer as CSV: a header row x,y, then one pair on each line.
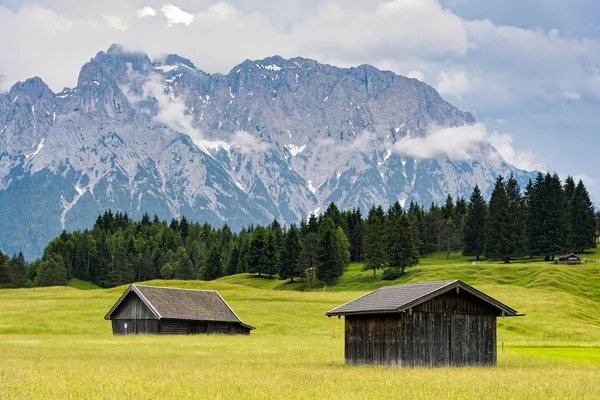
x,y
55,343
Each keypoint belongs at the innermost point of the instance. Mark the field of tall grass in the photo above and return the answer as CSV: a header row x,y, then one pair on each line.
x,y
54,342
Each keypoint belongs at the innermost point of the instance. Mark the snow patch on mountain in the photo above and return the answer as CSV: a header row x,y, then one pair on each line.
x,y
295,150
40,146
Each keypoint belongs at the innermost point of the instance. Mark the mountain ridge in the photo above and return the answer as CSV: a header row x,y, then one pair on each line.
x,y
271,138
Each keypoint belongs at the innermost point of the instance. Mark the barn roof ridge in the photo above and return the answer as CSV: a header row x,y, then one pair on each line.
x,y
174,288
448,282
405,296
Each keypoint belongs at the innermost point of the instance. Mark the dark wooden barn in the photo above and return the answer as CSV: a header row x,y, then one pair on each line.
x,y
157,310
570,259
426,324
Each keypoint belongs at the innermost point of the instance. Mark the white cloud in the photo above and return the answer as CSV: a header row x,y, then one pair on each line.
x,y
572,95
587,180
221,11
455,83
145,12
363,141
246,143
416,75
115,22
457,143
522,159
467,142
176,15
172,111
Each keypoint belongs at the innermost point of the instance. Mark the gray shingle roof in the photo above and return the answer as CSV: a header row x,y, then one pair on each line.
x,y
186,304
399,298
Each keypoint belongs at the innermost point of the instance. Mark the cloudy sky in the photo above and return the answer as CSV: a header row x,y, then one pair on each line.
x,y
529,70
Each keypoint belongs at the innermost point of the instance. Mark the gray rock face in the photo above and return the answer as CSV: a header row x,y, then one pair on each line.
x,y
273,138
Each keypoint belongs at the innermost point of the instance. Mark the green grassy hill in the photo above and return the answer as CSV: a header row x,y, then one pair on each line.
x,y
55,343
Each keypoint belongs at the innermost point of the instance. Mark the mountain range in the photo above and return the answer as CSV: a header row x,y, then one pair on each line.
x,y
272,138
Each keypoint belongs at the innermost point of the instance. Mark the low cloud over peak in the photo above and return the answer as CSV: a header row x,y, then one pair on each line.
x,y
466,142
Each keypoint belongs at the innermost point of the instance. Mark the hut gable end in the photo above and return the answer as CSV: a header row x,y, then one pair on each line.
x,y
132,307
451,302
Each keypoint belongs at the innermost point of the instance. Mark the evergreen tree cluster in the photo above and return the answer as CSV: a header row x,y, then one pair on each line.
x,y
548,218
118,250
13,271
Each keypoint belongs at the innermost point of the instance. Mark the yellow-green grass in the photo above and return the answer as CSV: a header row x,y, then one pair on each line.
x,y
54,342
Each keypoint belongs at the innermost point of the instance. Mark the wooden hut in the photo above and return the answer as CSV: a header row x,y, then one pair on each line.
x,y
422,324
570,259
158,310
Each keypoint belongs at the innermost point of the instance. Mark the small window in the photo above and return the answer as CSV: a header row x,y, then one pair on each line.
x,y
125,325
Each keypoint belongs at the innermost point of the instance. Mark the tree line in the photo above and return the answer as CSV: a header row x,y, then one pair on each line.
x,y
545,219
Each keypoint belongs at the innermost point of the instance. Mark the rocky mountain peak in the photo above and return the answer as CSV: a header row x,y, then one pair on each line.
x,y
174,59
32,90
117,64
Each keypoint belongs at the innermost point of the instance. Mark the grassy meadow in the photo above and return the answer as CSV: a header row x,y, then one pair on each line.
x,y
54,342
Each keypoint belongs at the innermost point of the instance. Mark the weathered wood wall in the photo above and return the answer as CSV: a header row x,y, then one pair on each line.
x,y
134,326
132,307
449,330
174,327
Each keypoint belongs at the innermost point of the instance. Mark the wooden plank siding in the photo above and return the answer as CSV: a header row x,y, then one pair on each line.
x,y
133,307
453,329
135,326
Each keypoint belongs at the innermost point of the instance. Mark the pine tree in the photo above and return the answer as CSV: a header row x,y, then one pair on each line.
x,y
313,224
450,227
184,227
375,241
17,271
433,234
569,191
356,233
233,266
474,227
334,253
4,274
516,218
256,256
214,268
326,269
556,217
597,224
121,268
334,213
460,217
308,260
289,266
394,236
270,256
583,220
448,208
404,250
536,216
497,235
415,216
341,252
